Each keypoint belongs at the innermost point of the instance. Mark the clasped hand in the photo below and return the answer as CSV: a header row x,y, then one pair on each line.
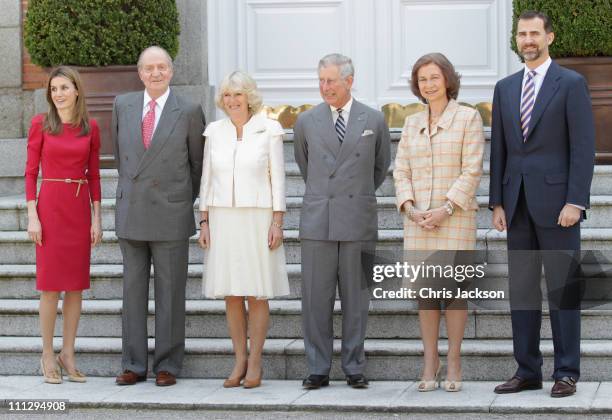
x,y
429,219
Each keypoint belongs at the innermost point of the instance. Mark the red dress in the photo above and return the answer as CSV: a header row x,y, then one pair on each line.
x,y
62,262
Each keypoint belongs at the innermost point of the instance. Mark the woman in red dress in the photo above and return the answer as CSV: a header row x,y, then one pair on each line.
x,y
66,144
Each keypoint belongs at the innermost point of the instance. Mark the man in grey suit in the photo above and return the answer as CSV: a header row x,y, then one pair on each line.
x,y
158,150
342,148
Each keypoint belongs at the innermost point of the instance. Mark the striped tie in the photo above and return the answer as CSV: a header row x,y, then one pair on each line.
x,y
340,126
527,103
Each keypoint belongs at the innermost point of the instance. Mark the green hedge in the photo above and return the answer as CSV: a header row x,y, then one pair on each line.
x,y
98,32
582,27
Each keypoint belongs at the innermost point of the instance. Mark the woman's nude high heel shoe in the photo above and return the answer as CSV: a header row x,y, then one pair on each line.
x,y
234,382
76,376
253,383
52,377
425,386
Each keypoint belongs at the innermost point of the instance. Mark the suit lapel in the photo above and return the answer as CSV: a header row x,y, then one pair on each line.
x,y
356,123
549,87
514,92
135,116
325,126
165,126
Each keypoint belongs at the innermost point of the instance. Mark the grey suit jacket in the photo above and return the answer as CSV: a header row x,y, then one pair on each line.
x,y
341,181
158,186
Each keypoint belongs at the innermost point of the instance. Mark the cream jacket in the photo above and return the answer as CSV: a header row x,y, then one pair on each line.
x,y
444,164
249,173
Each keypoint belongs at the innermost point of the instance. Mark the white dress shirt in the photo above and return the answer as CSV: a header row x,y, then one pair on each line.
x,y
538,79
346,110
159,106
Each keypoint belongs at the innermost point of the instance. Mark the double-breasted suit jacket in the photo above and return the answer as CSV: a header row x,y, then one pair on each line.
x,y
341,181
433,167
158,186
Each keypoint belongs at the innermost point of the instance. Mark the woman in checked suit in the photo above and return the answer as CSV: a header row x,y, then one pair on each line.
x,y
242,203
437,171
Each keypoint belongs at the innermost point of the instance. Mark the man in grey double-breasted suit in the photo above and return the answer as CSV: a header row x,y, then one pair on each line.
x,y
342,148
158,149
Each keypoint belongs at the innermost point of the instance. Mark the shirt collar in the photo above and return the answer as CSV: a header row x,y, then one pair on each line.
x,y
346,109
540,70
160,102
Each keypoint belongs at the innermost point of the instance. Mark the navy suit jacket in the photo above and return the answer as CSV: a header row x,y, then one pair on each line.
x,y
555,164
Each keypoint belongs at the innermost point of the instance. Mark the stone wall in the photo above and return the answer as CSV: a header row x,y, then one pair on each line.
x,y
11,106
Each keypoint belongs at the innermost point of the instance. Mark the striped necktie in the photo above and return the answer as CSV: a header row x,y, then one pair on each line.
x,y
527,103
340,126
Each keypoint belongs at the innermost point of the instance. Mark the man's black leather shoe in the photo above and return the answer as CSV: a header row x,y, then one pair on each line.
x,y
357,381
315,381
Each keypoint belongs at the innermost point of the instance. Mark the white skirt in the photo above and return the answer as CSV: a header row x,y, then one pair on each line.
x,y
238,261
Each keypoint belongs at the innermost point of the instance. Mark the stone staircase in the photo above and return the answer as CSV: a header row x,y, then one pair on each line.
x,y
393,346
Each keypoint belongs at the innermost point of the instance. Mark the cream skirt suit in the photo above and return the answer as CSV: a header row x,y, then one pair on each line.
x,y
433,167
243,182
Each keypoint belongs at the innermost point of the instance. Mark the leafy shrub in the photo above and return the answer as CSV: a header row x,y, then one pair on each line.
x,y
98,32
582,27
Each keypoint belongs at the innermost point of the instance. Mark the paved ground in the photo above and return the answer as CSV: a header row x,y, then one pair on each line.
x,y
206,398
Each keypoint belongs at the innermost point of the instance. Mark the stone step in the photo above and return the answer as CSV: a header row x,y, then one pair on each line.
x,y
100,398
294,184
14,214
482,360
19,282
17,248
206,319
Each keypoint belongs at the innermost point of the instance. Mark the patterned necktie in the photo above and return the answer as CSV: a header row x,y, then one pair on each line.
x,y
340,126
148,124
527,103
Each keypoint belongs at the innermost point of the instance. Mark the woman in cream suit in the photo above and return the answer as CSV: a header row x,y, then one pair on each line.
x,y
437,171
242,202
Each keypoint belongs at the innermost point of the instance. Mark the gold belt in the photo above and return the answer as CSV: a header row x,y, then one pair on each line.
x,y
69,181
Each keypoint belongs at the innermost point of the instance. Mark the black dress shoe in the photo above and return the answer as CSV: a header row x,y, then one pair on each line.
x,y
357,381
315,381
518,384
563,387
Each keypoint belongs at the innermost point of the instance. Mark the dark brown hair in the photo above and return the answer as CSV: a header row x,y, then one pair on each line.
x,y
533,14
53,123
448,71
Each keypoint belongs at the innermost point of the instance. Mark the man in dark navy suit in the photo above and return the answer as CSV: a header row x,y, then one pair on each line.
x,y
542,156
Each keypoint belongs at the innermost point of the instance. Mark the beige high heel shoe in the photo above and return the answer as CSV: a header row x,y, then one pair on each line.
x,y
52,377
76,376
451,386
425,386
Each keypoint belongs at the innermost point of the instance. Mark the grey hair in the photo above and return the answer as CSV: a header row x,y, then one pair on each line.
x,y
158,49
344,63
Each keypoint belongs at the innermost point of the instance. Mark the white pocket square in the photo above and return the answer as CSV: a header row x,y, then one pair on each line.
x,y
367,133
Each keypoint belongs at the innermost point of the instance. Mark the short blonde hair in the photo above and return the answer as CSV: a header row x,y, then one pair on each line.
x,y
239,81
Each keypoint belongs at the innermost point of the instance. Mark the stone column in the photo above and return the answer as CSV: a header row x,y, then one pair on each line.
x,y
191,63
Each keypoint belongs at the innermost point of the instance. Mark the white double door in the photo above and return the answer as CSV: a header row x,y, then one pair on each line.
x,y
279,42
